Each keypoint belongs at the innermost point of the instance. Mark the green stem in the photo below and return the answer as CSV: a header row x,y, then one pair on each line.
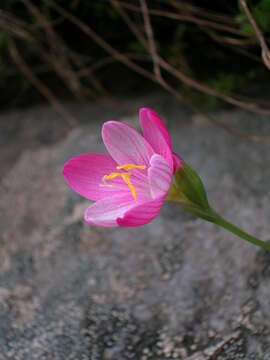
x,y
210,215
242,234
205,212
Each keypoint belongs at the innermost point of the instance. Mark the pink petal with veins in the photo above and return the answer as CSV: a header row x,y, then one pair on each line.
x,y
156,133
125,144
84,175
105,212
160,176
141,214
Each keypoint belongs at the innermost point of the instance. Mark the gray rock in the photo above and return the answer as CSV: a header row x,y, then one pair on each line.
x,y
178,288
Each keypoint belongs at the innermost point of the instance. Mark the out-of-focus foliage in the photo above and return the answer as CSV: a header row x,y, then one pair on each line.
x,y
202,51
227,83
261,12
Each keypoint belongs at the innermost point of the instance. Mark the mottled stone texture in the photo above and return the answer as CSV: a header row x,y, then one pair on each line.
x,y
178,288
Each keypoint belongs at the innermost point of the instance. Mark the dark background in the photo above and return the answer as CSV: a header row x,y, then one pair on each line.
x,y
209,41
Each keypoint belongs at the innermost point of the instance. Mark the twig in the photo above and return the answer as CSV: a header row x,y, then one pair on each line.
x,y
229,40
229,129
151,40
188,18
233,44
118,6
188,80
233,131
206,27
107,60
102,43
259,35
126,61
191,8
59,54
212,120
250,106
43,89
13,27
57,58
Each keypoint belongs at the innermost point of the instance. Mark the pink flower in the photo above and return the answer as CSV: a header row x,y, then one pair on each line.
x,y
131,183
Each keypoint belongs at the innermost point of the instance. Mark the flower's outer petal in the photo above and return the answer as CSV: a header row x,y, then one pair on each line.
x,y
105,212
84,174
178,162
159,175
148,115
125,144
141,214
156,133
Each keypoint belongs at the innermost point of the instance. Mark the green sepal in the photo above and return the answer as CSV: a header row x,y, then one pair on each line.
x,y
188,191
191,186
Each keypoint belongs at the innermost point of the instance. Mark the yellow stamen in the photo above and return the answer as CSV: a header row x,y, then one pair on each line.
x,y
130,167
125,176
111,176
126,179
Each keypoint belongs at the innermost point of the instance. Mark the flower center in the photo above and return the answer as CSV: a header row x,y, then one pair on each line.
x,y
125,176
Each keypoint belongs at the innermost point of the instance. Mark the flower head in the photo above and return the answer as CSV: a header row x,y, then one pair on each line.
x,y
130,184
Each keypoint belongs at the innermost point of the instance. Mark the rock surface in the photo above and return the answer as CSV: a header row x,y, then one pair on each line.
x,y
178,288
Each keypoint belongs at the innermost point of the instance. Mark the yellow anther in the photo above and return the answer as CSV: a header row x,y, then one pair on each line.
x,y
130,167
125,176
112,176
126,179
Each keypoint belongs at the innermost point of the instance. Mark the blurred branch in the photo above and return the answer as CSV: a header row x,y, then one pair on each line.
x,y
191,8
13,26
107,60
258,33
59,58
247,105
235,44
43,89
244,39
125,60
151,40
59,55
77,71
208,27
233,131
102,43
229,40
187,18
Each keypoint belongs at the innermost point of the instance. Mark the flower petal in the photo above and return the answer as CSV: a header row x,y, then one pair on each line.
x,y
178,162
141,214
125,144
159,175
84,174
105,212
156,133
